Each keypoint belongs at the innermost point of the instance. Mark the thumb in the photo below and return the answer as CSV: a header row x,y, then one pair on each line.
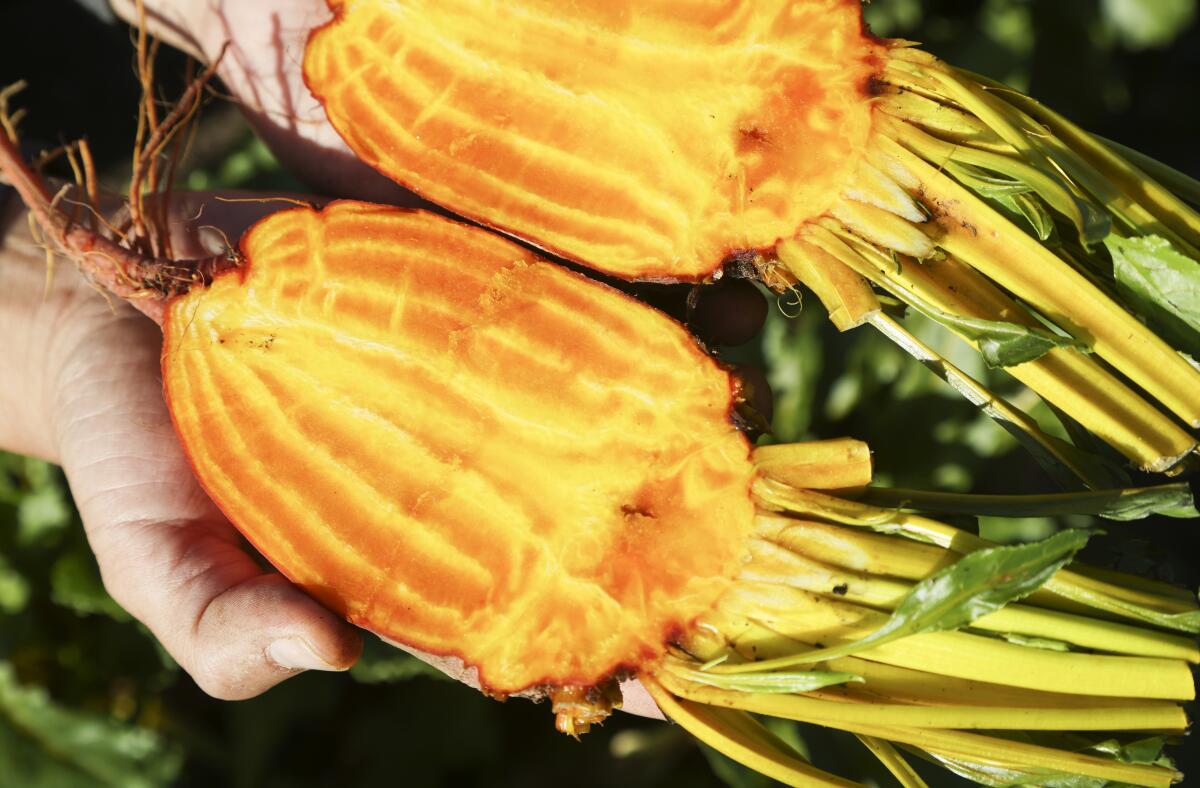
x,y
234,628
165,553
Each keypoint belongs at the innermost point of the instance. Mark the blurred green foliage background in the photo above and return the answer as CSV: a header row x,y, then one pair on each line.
x,y
87,698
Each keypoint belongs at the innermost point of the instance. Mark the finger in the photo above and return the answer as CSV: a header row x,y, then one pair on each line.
x,y
167,22
636,700
165,553
264,45
235,629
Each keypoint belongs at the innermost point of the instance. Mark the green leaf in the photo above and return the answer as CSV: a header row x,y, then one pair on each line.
x,y
43,745
977,584
1024,200
1015,197
986,184
1000,777
1146,752
1172,500
1002,344
1169,500
1005,344
1033,211
1160,284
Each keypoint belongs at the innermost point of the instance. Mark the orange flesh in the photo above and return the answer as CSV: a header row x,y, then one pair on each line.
x,y
646,138
444,438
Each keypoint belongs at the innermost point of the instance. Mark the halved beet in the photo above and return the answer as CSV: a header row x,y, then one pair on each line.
x,y
460,446
647,139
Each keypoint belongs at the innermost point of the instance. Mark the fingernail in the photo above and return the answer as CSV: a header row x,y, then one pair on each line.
x,y
295,654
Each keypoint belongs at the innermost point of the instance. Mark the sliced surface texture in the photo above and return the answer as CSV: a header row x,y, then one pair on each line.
x,y
461,446
646,139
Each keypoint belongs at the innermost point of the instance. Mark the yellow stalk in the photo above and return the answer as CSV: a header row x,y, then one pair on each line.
x,y
895,763
842,465
1112,598
854,548
879,554
945,120
889,683
1015,127
1065,377
883,228
779,497
864,551
738,736
970,746
895,684
829,708
1091,633
1098,594
1031,505
847,297
772,564
1040,761
1098,170
810,618
872,187
993,405
938,152
1124,175
1185,186
1159,589
1164,777
982,238
940,83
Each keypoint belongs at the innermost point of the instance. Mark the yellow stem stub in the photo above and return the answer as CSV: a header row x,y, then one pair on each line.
x,y
841,465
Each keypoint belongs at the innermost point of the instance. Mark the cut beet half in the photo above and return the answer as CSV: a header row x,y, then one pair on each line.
x,y
460,446
646,139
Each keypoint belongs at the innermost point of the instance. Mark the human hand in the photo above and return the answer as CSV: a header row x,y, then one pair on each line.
x,y
82,388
